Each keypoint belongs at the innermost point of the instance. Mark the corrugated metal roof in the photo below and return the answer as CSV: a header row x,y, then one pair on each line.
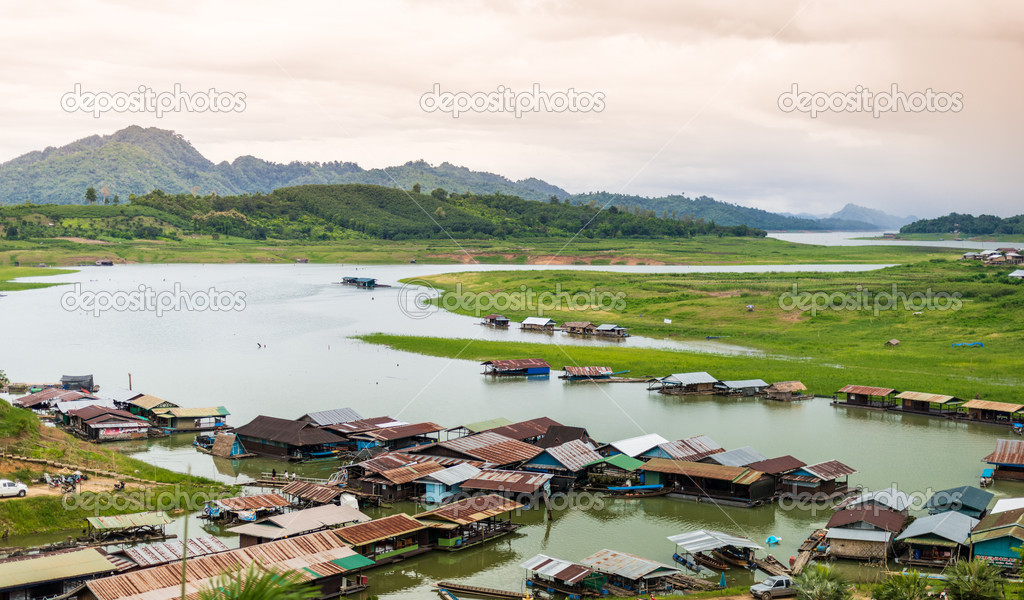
x,y
486,425
787,386
364,425
524,430
148,402
860,535
578,324
259,502
879,517
52,395
608,327
1007,504
402,431
379,529
866,390
73,405
302,521
574,455
286,431
965,496
923,397
953,526
888,497
739,384
689,378
635,446
709,539
407,473
313,492
621,461
994,406
164,552
829,470
519,482
1000,520
493,448
52,567
517,363
120,394
738,457
1008,452
310,556
538,321
193,412
556,435
332,416
143,519
775,466
587,371
738,475
628,566
557,569
92,411
452,475
692,448
471,510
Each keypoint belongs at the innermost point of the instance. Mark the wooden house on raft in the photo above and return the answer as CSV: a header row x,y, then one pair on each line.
x,y
864,533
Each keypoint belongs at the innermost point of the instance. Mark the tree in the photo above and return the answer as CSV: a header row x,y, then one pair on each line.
x,y
256,583
416,189
117,199
3,379
819,582
90,195
439,193
12,232
902,586
974,580
553,200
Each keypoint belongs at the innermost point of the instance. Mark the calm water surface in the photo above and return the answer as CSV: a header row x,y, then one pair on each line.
x,y
309,363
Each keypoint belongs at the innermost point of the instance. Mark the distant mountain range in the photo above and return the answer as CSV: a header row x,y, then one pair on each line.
x,y
137,160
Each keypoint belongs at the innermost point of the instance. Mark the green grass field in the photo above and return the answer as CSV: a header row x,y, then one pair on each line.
x,y
9,273
826,349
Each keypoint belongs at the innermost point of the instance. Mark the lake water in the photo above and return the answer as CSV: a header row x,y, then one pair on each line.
x,y
848,238
308,363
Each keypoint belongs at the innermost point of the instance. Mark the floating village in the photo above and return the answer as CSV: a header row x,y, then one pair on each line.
x,y
472,480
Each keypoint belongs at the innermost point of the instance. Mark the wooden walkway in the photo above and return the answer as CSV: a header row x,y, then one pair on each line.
x,y
806,551
771,567
479,591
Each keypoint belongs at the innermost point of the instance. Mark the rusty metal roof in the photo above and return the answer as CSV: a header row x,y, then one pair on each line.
x,y
1008,452
881,518
412,472
574,455
557,569
866,390
737,475
130,521
403,431
517,363
492,447
286,431
259,502
692,449
54,395
586,324
519,482
587,371
313,492
331,416
923,397
310,556
627,566
471,510
994,406
524,430
164,552
775,466
364,425
829,470
91,412
379,529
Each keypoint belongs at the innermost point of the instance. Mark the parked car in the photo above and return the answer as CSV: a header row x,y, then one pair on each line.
x,y
777,586
11,488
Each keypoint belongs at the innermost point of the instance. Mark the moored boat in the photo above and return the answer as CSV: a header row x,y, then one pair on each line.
x,y
710,561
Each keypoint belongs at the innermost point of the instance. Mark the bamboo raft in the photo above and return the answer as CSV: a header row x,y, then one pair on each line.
x,y
448,586
771,565
806,551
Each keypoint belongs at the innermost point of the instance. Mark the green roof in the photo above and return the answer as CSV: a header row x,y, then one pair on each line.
x,y
626,463
351,563
144,519
488,424
66,565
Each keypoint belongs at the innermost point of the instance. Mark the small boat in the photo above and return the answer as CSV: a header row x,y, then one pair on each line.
x,y
636,491
687,561
446,594
986,477
710,562
773,540
733,556
771,560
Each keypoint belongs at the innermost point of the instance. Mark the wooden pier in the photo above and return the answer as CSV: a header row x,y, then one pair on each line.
x,y
479,591
806,551
771,567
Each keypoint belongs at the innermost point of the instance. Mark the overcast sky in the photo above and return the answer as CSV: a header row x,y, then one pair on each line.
x,y
690,91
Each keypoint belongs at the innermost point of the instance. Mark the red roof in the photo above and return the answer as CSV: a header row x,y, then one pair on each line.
x,y
866,390
403,431
879,517
518,363
491,447
519,482
526,429
91,412
774,466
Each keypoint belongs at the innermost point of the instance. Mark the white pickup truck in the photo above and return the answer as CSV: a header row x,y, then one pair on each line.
x,y
777,586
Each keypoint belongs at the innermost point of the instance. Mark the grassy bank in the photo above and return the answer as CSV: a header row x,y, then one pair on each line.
x,y
934,237
826,349
693,251
11,272
22,434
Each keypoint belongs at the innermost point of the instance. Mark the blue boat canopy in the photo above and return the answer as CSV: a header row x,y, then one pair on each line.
x,y
987,473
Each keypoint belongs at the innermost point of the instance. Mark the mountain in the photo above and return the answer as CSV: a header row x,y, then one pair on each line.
x,y
852,212
135,160
721,213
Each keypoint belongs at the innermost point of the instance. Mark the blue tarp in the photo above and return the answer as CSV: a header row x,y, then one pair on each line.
x,y
634,487
973,344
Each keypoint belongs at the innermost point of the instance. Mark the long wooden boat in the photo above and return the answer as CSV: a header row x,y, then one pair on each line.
x,y
710,562
732,557
636,491
447,586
